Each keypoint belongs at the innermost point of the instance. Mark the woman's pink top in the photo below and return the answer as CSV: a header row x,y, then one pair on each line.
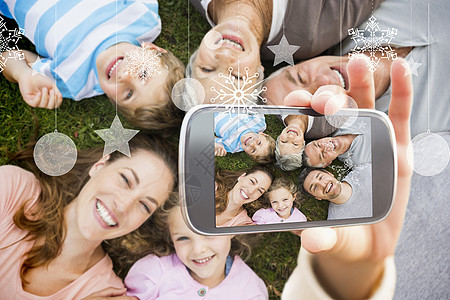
x,y
16,187
167,278
241,219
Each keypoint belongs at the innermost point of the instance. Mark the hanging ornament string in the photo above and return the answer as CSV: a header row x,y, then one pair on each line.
x,y
117,137
55,153
428,153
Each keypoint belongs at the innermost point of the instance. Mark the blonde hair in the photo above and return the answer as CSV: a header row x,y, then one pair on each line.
x,y
162,239
270,156
278,183
165,115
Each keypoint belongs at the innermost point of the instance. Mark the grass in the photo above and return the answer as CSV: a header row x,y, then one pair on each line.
x,y
275,256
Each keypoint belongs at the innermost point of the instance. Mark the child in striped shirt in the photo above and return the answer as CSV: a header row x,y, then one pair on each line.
x,y
84,50
243,132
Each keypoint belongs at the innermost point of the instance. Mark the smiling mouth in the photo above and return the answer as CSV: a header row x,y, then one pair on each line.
x,y
244,195
329,187
104,215
114,66
341,78
246,141
231,41
203,260
293,131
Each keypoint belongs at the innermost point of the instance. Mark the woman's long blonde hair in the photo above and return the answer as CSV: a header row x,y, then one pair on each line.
x,y
46,220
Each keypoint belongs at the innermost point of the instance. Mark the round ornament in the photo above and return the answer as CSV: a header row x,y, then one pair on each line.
x,y
55,154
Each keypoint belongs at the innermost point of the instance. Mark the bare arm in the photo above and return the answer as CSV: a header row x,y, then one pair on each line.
x,y
37,90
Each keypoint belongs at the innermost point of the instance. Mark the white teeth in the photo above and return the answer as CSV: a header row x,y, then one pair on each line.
x,y
201,261
103,213
341,78
244,194
114,66
232,43
329,187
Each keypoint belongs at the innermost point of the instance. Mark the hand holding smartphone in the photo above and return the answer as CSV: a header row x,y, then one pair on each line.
x,y
254,200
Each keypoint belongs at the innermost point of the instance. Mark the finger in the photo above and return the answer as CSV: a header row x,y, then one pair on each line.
x,y
44,98
401,100
361,84
33,101
399,113
346,244
59,99
299,98
326,99
51,100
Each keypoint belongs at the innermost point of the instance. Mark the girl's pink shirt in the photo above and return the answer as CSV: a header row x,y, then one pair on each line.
x,y
167,278
270,216
16,187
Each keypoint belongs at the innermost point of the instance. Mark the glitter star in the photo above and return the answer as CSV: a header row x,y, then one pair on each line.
x,y
283,52
413,66
116,138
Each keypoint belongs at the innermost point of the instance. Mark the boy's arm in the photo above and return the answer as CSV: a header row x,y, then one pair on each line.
x,y
37,90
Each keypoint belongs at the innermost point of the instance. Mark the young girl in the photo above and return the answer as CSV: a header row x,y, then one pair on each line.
x,y
281,196
194,266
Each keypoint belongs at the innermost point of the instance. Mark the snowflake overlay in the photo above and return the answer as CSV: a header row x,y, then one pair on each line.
x,y
239,96
143,63
8,43
373,40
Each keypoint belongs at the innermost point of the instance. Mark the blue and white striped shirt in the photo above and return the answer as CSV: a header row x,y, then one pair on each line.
x,y
228,128
70,34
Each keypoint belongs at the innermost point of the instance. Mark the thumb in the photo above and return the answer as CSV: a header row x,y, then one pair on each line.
x,y
345,243
299,98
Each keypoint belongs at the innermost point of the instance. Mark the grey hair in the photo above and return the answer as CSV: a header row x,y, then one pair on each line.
x,y
307,161
191,63
291,161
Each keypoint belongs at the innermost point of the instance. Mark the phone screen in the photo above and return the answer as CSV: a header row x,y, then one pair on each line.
x,y
273,169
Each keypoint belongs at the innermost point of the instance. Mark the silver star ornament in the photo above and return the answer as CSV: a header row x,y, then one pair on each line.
x,y
283,52
116,138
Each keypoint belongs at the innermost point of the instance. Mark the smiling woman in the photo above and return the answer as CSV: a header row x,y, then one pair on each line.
x,y
55,230
236,189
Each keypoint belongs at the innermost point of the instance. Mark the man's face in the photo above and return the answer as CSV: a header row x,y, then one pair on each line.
x,y
309,76
255,144
322,152
322,185
224,60
290,140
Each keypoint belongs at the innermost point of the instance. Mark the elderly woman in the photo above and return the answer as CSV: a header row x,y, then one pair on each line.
x,y
246,188
243,29
55,230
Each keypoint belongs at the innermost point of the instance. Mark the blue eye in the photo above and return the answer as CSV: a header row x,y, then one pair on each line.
x,y
130,93
182,238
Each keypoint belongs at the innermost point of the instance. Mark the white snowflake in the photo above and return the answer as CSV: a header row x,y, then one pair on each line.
x,y
238,95
143,63
8,43
373,40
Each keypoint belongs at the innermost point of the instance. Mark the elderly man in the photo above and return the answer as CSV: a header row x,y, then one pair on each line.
x,y
349,198
351,145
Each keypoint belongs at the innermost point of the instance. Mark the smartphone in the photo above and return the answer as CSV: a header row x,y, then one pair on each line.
x,y
352,181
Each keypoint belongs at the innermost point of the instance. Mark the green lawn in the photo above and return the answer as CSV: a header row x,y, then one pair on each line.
x,y
275,256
